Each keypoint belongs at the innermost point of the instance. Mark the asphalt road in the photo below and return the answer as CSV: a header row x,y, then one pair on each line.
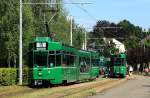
x,y
139,87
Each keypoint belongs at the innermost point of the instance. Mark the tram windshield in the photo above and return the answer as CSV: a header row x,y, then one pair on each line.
x,y
40,58
118,61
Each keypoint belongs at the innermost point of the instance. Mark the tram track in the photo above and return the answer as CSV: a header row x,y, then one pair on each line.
x,y
12,91
78,89
94,89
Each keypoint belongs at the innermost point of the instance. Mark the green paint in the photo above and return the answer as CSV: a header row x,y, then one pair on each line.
x,y
53,75
118,65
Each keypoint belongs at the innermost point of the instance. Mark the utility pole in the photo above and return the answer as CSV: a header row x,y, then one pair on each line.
x,y
70,30
85,41
20,46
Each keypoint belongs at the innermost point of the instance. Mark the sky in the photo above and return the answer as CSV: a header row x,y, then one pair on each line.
x,y
136,11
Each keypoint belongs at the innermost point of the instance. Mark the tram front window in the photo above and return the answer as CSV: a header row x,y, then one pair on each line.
x,y
40,59
116,61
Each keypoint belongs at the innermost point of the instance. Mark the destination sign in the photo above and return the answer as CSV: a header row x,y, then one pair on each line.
x,y
41,46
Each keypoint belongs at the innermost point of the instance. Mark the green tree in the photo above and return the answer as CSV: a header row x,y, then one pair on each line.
x,y
33,25
103,29
10,32
132,34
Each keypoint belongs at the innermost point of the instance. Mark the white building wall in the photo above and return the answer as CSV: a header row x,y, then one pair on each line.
x,y
119,45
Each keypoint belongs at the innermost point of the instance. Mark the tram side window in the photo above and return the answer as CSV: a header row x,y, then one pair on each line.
x,y
51,58
84,65
94,62
58,58
65,61
72,60
68,59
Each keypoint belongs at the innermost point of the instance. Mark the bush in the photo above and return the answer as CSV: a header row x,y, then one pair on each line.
x,y
8,76
26,76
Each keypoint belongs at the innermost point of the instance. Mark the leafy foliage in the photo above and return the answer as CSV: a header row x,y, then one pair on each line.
x,y
147,43
133,34
124,31
97,37
8,76
26,75
33,25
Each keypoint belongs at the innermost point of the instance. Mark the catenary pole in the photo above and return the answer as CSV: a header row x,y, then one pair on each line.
x,y
20,46
85,40
70,30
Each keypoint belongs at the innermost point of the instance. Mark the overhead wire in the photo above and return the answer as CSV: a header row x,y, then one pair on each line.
x,y
92,17
87,12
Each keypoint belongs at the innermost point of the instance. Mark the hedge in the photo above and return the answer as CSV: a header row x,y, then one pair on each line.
x,y
26,76
9,76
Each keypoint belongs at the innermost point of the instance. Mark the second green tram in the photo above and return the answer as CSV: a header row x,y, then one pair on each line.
x,y
54,63
118,65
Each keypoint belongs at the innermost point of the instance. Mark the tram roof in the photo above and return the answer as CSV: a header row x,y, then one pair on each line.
x,y
121,55
41,39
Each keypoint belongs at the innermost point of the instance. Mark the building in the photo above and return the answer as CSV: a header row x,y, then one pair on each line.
x,y
119,45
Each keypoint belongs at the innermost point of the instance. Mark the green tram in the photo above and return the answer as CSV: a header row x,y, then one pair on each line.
x,y
118,65
54,63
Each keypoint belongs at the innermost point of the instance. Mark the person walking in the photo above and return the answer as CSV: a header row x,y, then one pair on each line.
x,y
130,70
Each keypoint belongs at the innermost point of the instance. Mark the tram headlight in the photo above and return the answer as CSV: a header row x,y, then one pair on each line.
x,y
40,73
